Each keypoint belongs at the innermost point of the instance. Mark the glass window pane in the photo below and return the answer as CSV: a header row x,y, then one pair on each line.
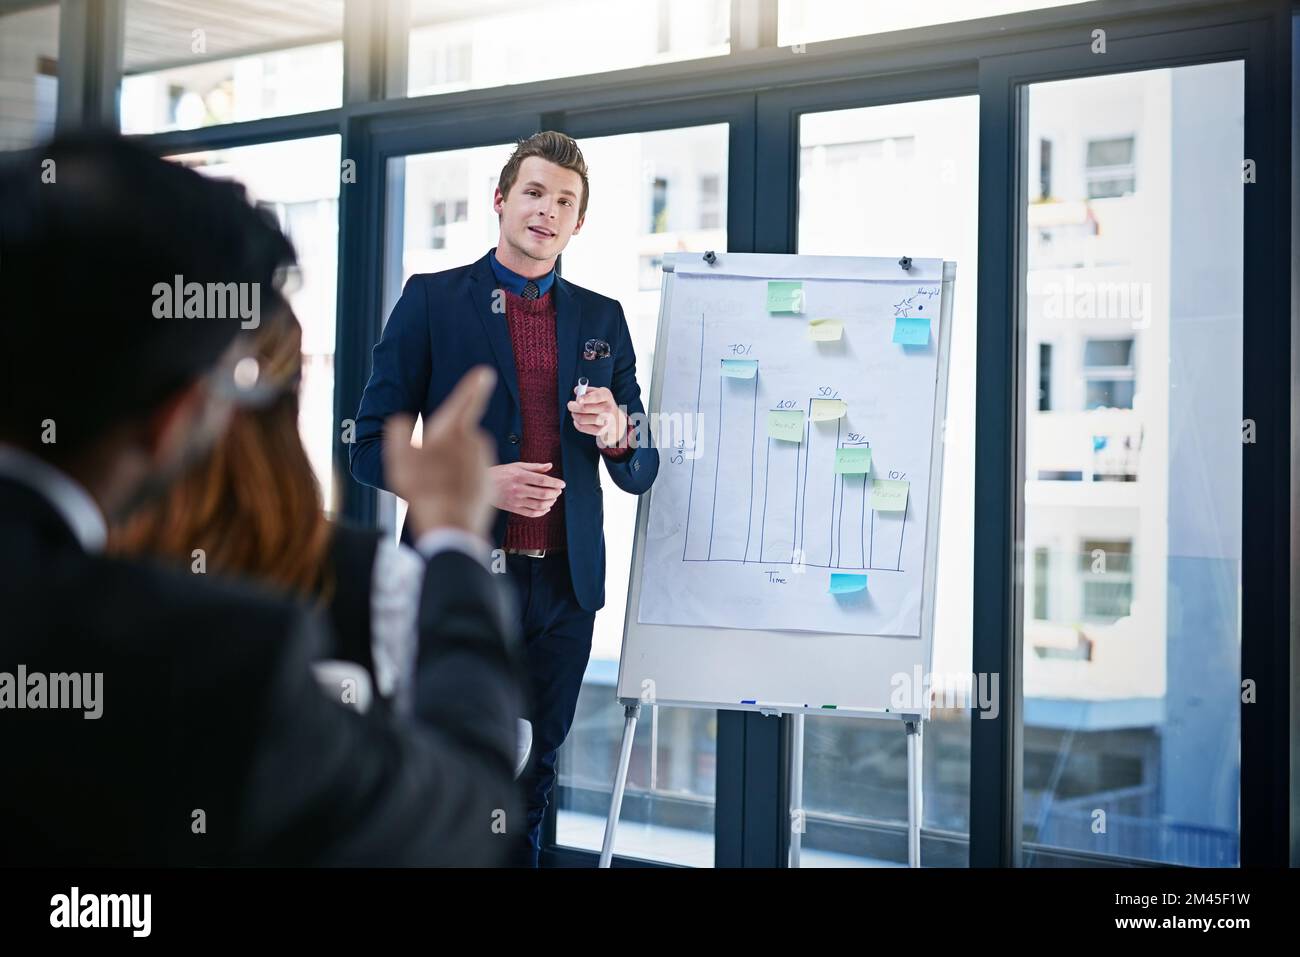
x,y
651,193
1106,556
202,63
298,180
1109,394
422,188
473,44
1107,187
446,208
891,181
1108,352
29,59
1044,376
1106,602
1114,152
1042,582
1132,678
806,21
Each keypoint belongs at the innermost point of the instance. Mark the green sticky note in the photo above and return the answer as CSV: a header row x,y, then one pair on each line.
x,y
825,330
827,410
783,296
911,330
785,424
740,368
843,584
889,495
853,460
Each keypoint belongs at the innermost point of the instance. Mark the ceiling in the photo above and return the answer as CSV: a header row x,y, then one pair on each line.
x,y
159,33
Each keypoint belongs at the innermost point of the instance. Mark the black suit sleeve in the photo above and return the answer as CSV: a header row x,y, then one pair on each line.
x,y
401,365
633,473
331,786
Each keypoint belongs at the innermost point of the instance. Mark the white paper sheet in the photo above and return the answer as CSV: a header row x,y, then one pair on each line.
x,y
745,531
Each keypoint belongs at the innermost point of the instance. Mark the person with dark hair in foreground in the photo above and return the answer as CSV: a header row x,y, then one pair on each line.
x,y
152,715
254,507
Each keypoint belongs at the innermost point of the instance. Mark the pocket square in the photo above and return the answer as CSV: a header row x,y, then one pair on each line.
x,y
595,349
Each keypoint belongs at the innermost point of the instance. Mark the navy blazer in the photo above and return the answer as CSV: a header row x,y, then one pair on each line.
x,y
442,326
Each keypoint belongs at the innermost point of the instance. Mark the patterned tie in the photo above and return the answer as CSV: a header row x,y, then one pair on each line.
x,y
530,290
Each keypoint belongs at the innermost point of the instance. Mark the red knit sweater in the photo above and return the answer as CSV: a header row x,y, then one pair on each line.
x,y
532,335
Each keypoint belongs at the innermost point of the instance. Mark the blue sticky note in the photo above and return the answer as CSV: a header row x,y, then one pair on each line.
x,y
842,584
912,330
740,368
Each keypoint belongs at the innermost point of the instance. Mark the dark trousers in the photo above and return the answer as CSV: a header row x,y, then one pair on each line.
x,y
557,640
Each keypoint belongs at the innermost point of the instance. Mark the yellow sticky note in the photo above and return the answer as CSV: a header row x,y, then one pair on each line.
x,y
853,460
889,495
827,410
825,330
785,424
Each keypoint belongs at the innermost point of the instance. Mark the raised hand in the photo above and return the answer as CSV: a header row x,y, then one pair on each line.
x,y
445,480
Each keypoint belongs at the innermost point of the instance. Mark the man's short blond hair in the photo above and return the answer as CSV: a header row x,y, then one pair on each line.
x,y
553,147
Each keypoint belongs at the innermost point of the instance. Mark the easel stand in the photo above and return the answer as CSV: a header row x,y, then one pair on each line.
x,y
912,727
631,711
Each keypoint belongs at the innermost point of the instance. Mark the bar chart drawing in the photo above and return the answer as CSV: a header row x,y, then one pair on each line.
x,y
769,475
746,528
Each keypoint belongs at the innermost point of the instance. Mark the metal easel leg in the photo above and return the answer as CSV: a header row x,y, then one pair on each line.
x,y
914,806
630,714
796,790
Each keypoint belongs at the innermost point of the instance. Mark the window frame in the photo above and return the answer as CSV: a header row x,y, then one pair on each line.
x,y
764,88
1268,385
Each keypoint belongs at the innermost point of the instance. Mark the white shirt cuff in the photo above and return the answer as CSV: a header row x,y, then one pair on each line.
x,y
437,540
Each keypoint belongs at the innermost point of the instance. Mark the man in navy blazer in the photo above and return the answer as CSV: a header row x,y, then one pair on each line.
x,y
566,397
